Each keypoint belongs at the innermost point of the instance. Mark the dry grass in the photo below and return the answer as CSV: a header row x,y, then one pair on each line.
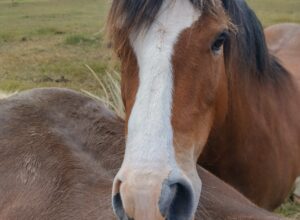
x,y
110,84
4,95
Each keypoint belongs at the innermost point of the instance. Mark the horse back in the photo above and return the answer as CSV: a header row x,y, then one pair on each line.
x,y
284,42
48,145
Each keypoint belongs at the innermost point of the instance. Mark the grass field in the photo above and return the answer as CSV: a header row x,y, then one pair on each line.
x,y
50,42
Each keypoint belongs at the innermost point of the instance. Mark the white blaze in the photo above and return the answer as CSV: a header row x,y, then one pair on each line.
x,y
150,135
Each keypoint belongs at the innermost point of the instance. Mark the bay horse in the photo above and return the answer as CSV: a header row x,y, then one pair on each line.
x,y
59,153
200,86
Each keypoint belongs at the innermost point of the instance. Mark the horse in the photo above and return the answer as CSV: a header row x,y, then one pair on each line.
x,y
60,151
284,42
200,87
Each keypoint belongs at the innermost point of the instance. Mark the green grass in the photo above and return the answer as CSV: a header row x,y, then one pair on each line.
x,y
289,209
44,41
79,39
276,11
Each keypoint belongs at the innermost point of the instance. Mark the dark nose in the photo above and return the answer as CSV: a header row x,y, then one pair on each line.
x,y
176,200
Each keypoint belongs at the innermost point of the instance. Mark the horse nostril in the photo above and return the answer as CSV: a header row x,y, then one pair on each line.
x,y
176,201
117,202
118,207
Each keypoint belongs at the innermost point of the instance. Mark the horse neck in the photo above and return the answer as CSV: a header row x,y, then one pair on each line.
x,y
262,113
261,104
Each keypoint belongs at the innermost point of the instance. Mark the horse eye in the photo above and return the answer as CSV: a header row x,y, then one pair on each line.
x,y
219,42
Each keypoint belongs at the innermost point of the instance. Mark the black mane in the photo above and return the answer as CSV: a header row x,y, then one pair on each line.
x,y
250,44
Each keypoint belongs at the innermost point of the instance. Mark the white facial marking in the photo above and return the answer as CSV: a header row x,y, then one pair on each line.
x,y
150,135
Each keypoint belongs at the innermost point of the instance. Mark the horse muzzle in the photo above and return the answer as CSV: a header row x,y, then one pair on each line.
x,y
146,195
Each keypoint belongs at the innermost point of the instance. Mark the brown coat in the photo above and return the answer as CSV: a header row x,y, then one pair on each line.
x,y
59,153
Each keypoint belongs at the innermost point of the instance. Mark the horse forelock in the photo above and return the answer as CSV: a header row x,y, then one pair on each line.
x,y
130,15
